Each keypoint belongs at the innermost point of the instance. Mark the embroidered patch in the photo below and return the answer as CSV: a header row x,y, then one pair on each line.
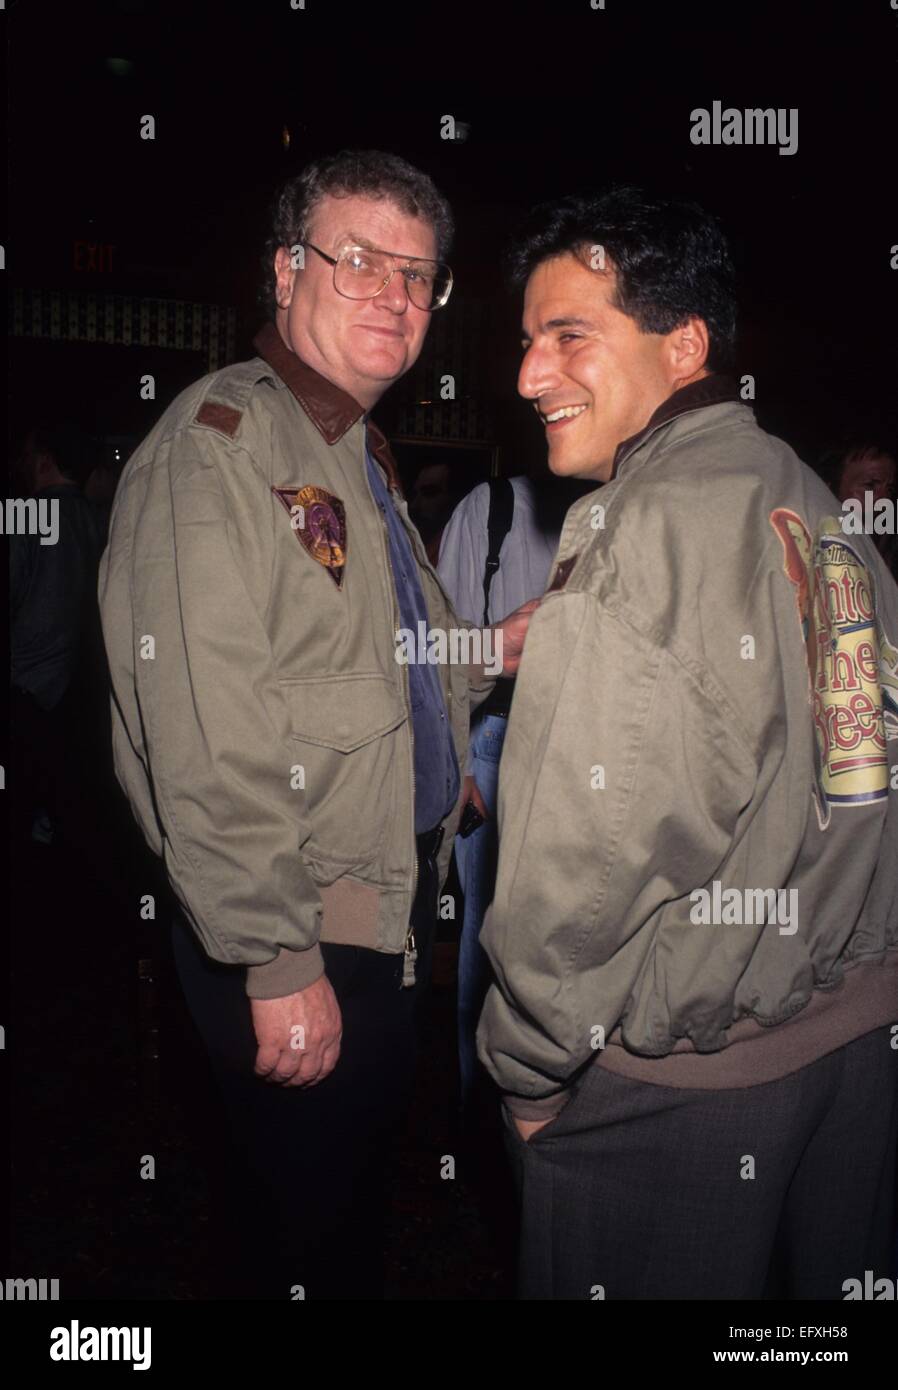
x,y
852,665
319,521
562,573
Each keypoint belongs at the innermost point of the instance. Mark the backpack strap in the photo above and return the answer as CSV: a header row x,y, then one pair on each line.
x,y
498,525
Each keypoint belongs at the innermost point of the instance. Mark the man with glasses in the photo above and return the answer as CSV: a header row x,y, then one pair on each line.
x,y
300,783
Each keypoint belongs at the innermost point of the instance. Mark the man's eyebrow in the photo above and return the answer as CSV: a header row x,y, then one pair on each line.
x,y
571,322
357,240
368,245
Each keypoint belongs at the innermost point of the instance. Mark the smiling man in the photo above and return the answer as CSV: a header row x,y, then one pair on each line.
x,y
301,785
705,711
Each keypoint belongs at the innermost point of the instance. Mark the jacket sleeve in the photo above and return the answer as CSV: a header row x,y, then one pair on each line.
x,y
621,783
202,739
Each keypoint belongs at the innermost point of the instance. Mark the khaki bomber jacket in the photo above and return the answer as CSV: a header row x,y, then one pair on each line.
x,y
261,721
707,700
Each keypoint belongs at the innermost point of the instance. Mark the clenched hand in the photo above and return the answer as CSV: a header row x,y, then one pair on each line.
x,y
514,633
471,792
298,1035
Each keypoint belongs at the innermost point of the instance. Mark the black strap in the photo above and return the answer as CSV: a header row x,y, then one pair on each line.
x,y
498,525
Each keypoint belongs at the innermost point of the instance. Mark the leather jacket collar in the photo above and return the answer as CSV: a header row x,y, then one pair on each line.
x,y
331,409
715,389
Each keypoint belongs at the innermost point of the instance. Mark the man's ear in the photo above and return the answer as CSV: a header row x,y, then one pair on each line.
x,y
285,276
688,351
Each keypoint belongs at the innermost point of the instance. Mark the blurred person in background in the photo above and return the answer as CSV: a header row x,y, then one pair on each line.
x,y
856,468
53,621
430,505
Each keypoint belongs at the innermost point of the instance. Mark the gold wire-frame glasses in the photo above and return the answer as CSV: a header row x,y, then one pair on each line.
x,y
360,272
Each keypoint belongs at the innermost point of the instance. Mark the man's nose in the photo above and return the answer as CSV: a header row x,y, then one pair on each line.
x,y
537,375
395,296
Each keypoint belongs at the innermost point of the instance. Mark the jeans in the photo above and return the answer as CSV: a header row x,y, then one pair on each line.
x,y
476,858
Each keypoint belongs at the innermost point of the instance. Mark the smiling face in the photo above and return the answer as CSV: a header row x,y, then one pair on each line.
x,y
361,345
593,376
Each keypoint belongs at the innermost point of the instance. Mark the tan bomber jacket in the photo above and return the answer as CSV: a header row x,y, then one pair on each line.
x,y
261,721
698,797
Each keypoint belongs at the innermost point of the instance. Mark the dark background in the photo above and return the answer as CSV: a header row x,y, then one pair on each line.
x,y
559,98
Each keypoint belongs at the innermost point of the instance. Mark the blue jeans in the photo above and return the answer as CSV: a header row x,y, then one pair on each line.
x,y
476,859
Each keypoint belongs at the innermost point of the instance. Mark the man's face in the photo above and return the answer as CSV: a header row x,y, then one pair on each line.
x,y
581,352
430,495
873,473
362,345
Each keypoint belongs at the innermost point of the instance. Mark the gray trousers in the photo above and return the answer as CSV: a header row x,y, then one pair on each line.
x,y
781,1190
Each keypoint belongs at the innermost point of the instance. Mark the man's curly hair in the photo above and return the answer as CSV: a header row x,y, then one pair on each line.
x,y
369,173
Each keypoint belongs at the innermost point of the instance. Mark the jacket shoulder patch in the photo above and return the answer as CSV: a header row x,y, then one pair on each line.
x,y
223,418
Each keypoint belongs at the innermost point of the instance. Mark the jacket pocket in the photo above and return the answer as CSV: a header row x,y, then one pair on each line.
x,y
341,726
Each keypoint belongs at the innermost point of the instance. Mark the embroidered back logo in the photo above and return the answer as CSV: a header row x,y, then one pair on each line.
x,y
319,520
850,662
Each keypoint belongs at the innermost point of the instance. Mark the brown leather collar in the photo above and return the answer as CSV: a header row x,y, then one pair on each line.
x,y
708,390
331,409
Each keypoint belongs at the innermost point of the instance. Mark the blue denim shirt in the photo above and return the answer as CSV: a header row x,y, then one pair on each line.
x,y
437,777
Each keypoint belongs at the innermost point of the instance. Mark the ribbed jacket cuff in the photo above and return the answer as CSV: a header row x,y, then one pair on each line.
x,y
289,972
546,1108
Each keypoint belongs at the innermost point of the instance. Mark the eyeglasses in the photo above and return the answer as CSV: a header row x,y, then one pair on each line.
x,y
360,273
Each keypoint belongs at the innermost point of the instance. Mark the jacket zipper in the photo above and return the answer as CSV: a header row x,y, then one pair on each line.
x,y
410,953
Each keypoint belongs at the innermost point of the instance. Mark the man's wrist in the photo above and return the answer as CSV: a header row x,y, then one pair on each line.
x,y
288,973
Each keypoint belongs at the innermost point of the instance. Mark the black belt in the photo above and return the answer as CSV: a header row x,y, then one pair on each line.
x,y
429,841
498,701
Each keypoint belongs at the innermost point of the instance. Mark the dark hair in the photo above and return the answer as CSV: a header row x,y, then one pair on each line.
x,y
670,257
835,460
370,173
71,449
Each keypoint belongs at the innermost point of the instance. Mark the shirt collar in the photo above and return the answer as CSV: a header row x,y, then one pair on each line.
x,y
331,409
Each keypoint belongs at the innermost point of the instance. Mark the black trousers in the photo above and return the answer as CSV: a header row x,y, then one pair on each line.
x,y
306,1171
783,1190
41,758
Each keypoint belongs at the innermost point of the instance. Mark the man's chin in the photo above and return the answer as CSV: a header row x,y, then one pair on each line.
x,y
565,464
573,466
384,366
